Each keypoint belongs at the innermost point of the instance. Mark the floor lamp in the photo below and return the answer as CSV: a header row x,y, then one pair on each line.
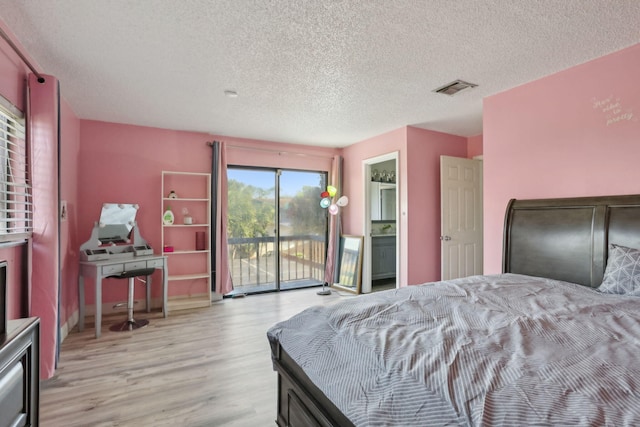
x,y
334,209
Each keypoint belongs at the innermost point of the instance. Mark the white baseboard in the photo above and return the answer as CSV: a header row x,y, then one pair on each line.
x,y
71,322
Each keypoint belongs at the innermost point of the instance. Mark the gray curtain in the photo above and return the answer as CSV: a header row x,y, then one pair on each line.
x,y
335,226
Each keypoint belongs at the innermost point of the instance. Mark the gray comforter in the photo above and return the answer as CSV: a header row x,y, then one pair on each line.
x,y
503,350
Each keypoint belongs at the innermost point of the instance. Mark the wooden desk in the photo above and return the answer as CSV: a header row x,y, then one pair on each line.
x,y
98,270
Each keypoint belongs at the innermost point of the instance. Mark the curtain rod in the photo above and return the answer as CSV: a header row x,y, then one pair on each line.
x,y
271,150
24,59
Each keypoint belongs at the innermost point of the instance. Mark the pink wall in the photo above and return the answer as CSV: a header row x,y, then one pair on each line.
x,y
247,152
123,164
424,149
474,146
70,148
419,194
574,133
353,176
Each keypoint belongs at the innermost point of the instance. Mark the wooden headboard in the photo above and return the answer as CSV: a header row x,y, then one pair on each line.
x,y
567,239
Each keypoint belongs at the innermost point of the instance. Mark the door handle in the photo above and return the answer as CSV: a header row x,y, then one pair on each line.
x,y
445,238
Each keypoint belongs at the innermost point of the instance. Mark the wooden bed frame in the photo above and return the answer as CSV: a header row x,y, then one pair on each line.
x,y
563,239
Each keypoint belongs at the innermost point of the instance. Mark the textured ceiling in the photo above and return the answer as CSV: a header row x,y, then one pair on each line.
x,y
315,72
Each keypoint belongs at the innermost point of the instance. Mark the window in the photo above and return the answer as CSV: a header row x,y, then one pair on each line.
x,y
15,186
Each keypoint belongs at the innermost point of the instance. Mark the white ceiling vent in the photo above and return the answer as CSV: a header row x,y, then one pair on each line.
x,y
454,87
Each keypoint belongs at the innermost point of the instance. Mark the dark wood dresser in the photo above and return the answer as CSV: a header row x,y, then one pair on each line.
x,y
20,373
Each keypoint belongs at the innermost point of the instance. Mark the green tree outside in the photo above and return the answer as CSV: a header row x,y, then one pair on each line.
x,y
251,213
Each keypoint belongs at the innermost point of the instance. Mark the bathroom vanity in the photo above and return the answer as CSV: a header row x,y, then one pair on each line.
x,y
383,256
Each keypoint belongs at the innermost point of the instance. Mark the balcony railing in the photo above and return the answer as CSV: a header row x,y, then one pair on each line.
x,y
253,260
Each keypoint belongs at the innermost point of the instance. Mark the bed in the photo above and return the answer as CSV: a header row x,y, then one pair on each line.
x,y
551,341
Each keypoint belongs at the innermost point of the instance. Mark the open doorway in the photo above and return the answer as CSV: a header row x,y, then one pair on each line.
x,y
380,267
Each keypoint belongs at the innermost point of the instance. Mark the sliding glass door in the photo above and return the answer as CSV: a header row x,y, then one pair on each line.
x,y
302,229
251,228
277,230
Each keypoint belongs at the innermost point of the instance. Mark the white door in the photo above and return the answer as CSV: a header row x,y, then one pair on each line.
x,y
461,219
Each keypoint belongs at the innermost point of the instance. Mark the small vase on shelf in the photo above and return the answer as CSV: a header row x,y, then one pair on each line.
x,y
187,219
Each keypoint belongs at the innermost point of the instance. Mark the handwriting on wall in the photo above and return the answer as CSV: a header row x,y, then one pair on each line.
x,y
613,110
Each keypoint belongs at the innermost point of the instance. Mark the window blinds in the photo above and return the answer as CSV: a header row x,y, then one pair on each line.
x,y
15,186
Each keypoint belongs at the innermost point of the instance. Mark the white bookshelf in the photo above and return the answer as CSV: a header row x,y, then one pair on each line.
x,y
189,268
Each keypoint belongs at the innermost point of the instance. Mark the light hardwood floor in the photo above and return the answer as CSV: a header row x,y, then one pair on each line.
x,y
204,367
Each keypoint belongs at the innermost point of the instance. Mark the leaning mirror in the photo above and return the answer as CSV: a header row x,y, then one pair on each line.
x,y
350,264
